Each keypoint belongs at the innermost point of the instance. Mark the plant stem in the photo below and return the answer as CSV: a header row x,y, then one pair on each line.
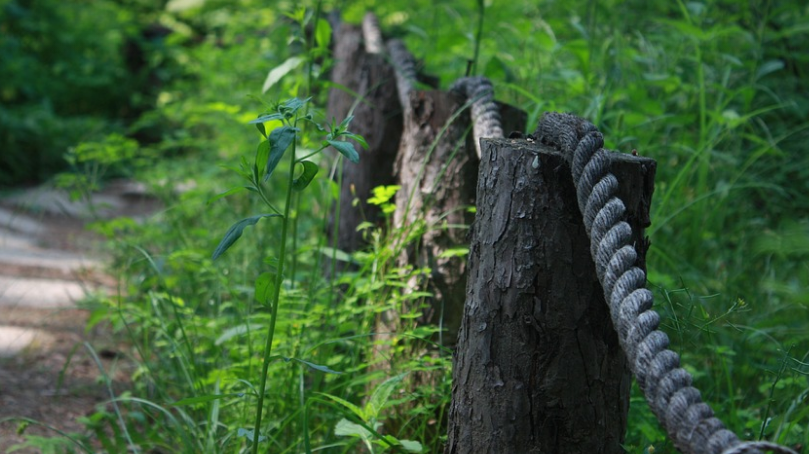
x,y
478,36
279,279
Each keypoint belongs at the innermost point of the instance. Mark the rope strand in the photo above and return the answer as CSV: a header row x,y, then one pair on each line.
x,y
690,422
485,113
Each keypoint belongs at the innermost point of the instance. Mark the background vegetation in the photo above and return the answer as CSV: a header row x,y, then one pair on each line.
x,y
715,91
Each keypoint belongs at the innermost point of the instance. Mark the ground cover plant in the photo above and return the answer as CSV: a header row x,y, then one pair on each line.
x,y
261,349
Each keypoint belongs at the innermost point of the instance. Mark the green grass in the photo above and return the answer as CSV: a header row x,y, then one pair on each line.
x,y
713,91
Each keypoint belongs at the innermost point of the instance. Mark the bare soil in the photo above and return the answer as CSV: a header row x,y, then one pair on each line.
x,y
56,381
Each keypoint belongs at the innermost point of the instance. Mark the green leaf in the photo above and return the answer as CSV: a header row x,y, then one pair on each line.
x,y
203,399
248,433
239,330
353,408
280,71
411,446
346,149
280,139
323,33
266,118
265,286
225,194
302,181
262,155
347,428
357,137
235,232
337,254
316,366
291,106
383,194
381,395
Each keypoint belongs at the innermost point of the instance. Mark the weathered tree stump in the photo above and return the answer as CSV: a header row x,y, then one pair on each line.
x,y
538,367
437,170
365,85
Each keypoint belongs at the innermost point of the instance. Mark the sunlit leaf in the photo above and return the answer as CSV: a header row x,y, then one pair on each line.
x,y
323,33
381,395
235,232
280,71
347,428
411,446
235,331
265,287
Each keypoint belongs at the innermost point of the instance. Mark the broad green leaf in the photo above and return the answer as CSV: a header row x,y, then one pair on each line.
x,y
266,118
262,155
346,149
411,446
347,428
239,330
235,232
203,399
225,194
354,409
381,395
280,71
280,139
323,33
265,287
302,181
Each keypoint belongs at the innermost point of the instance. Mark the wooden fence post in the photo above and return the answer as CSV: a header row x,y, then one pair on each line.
x,y
538,367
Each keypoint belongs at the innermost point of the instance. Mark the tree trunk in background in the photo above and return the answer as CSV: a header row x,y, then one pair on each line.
x,y
377,117
538,367
438,177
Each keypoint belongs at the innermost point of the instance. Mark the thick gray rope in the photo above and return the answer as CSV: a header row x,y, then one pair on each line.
x,y
690,422
405,67
485,113
372,35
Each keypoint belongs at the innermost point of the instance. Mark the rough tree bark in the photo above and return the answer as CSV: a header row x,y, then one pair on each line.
x,y
438,175
538,367
377,117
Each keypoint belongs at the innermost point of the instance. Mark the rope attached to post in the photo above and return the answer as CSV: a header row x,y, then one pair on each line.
x,y
690,422
372,34
485,113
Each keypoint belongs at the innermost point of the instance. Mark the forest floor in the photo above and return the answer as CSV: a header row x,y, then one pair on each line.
x,y
50,365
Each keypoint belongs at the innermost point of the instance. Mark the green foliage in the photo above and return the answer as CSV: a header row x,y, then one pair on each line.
x,y
714,91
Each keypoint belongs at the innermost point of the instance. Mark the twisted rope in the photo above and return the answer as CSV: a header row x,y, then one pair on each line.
x,y
690,422
485,113
372,34
405,66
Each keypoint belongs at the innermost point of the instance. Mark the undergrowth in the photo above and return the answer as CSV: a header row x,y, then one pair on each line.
x,y
714,91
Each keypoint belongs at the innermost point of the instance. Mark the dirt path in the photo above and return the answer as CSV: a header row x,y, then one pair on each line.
x,y
49,262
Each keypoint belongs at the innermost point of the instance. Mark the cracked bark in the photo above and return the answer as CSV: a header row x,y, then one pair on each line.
x,y
538,367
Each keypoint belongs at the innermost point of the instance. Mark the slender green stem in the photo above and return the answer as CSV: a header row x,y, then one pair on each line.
x,y
478,37
276,298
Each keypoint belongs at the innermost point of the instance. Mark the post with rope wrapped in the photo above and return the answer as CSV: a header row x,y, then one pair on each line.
x,y
539,367
364,86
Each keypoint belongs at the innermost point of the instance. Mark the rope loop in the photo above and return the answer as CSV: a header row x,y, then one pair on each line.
x,y
485,113
678,406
